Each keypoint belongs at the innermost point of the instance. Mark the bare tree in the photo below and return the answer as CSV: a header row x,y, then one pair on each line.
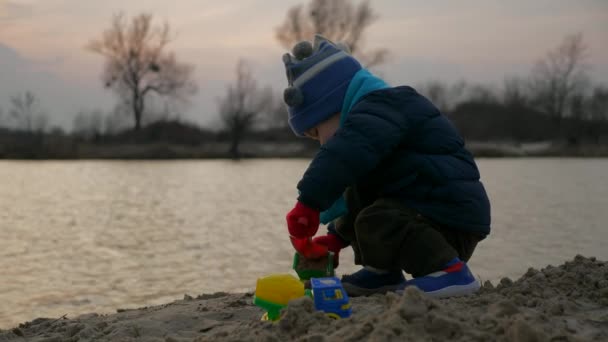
x,y
338,20
437,92
559,77
277,117
481,93
27,114
514,92
88,124
161,110
116,120
598,104
444,96
138,65
242,105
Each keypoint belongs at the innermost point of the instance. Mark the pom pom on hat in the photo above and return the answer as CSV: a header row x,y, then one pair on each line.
x,y
302,50
293,96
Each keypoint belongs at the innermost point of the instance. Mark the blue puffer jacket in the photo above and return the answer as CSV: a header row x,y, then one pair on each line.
x,y
395,143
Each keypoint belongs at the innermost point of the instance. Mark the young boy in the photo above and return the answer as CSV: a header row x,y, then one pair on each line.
x,y
392,177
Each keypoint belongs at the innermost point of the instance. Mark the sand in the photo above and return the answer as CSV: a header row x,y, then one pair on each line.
x,y
564,303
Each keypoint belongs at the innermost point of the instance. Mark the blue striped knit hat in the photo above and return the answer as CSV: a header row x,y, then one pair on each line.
x,y
318,77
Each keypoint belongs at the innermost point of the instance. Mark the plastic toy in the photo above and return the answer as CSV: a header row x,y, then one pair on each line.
x,y
329,296
274,292
312,259
318,268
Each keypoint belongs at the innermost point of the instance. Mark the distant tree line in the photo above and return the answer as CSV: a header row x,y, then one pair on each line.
x,y
555,102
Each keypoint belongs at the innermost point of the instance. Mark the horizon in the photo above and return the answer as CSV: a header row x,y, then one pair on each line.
x,y
41,51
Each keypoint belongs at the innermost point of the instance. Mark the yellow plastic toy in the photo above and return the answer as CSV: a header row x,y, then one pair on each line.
x,y
273,292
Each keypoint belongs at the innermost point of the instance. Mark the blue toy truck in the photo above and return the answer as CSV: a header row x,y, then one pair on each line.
x,y
329,296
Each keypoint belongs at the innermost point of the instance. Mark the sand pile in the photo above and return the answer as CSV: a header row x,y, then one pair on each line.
x,y
565,303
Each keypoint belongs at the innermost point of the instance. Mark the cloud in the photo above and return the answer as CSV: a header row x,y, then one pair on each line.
x,y
60,98
9,56
11,10
478,40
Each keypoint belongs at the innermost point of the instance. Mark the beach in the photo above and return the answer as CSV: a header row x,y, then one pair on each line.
x,y
568,302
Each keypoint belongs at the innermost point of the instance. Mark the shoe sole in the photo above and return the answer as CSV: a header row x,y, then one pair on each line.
x,y
453,291
355,291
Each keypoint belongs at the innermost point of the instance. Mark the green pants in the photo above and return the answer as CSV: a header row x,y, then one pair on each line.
x,y
385,234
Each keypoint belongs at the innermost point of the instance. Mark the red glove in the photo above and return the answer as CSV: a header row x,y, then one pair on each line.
x,y
334,244
302,221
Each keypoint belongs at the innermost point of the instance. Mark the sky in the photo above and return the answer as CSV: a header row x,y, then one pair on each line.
x,y
42,44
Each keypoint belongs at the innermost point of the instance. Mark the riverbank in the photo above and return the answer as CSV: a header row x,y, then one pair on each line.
x,y
564,303
270,149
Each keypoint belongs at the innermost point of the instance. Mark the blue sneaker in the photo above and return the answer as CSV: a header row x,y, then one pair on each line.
x,y
455,279
366,282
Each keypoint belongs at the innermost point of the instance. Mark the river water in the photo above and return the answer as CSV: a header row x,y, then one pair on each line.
x,y
95,236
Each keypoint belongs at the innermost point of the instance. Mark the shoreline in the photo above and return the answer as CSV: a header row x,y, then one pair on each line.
x,y
568,302
287,150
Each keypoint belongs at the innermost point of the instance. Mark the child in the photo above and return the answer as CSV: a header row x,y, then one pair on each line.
x,y
392,177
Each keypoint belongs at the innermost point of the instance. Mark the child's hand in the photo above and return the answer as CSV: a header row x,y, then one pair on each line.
x,y
333,243
302,221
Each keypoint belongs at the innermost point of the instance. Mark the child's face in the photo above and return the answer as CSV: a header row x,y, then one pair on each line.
x,y
325,130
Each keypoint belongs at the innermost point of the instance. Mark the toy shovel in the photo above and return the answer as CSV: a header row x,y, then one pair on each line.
x,y
311,259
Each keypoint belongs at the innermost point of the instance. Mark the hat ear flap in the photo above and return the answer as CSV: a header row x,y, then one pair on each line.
x,y
287,59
